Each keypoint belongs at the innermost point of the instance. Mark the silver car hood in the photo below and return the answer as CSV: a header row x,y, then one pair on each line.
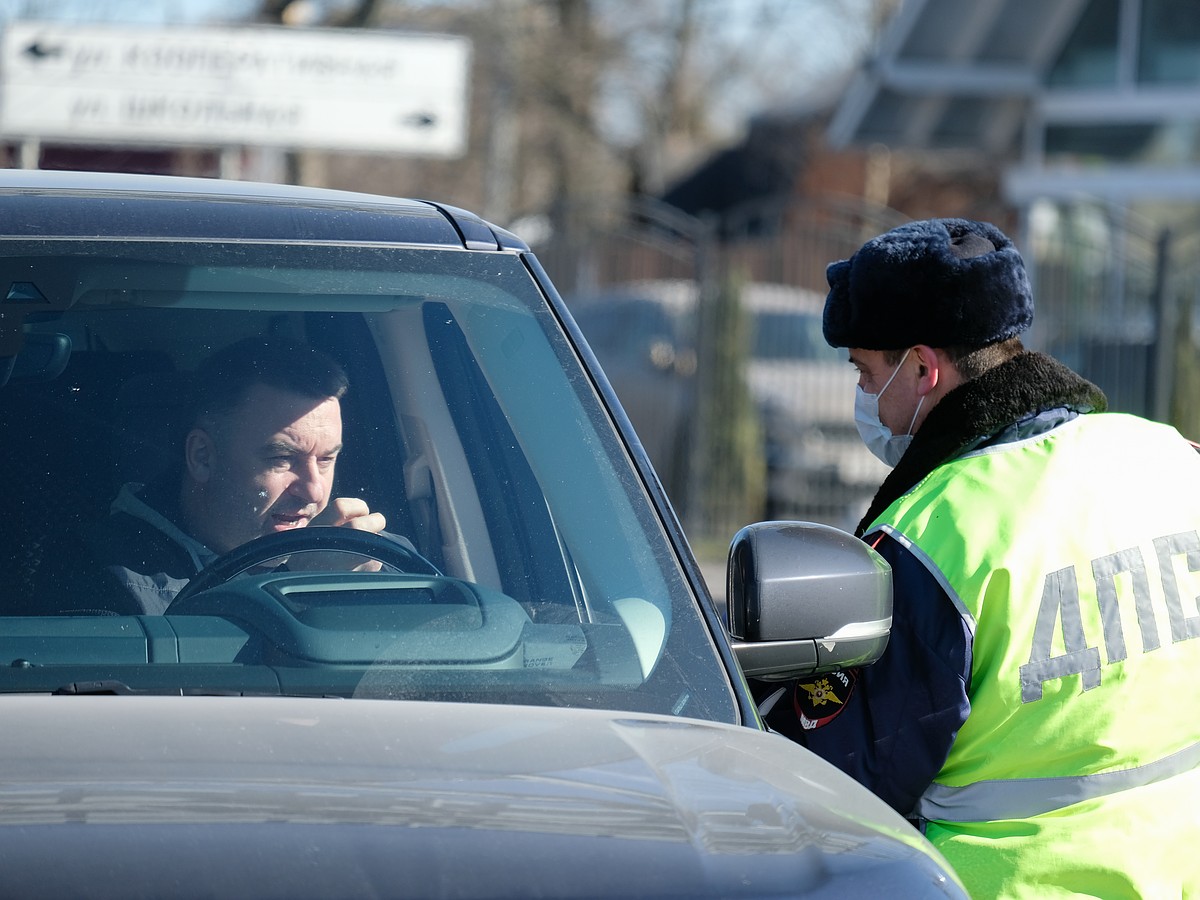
x,y
208,796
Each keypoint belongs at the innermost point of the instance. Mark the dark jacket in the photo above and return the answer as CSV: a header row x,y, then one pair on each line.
x,y
891,725
133,562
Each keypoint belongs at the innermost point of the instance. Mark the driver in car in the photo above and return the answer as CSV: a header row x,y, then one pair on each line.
x,y
261,446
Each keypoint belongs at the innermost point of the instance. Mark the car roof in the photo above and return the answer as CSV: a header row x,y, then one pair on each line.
x,y
678,296
40,203
765,297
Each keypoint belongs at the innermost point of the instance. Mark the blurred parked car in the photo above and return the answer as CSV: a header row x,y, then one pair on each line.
x,y
817,465
644,334
534,697
647,348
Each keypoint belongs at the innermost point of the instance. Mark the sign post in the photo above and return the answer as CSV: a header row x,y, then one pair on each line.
x,y
272,87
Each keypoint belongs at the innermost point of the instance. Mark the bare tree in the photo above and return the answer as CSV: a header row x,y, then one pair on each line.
x,y
696,70
343,13
579,99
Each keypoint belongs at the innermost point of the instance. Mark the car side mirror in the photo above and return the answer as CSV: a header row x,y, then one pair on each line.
x,y
805,598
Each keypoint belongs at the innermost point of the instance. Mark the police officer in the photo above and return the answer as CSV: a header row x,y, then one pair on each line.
x,y
1037,710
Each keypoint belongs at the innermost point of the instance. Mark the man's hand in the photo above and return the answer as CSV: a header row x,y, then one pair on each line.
x,y
352,513
347,512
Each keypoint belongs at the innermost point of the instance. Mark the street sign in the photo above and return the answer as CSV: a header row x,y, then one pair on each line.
x,y
256,86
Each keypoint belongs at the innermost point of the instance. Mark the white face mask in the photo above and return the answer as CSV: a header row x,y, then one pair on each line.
x,y
878,437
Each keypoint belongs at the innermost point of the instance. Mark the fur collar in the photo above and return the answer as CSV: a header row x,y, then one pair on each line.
x,y
967,416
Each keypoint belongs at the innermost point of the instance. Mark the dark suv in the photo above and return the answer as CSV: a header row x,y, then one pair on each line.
x,y
531,695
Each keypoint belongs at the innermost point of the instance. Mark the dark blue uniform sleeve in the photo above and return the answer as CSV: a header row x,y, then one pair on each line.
x,y
890,725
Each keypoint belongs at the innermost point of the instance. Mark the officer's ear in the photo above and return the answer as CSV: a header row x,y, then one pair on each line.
x,y
930,368
198,454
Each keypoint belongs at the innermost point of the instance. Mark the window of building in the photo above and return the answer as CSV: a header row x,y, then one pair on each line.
x,y
1152,144
1169,42
1089,58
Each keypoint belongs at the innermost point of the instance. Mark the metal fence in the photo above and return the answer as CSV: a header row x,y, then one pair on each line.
x,y
1116,301
710,333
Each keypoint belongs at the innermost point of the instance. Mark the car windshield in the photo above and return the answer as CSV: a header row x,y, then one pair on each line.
x,y
531,569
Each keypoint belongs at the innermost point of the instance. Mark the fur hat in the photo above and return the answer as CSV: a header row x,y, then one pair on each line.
x,y
941,282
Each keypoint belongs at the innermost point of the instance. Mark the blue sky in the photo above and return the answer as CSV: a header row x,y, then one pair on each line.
x,y
160,12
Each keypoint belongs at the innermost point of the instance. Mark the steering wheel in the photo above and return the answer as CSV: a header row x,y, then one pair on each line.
x,y
384,548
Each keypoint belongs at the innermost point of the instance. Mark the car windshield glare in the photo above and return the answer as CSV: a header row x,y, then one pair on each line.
x,y
520,562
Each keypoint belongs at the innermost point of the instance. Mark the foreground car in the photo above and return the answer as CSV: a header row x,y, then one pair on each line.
x,y
533,697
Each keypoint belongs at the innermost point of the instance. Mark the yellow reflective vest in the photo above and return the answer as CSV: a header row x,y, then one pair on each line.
x,y
1074,557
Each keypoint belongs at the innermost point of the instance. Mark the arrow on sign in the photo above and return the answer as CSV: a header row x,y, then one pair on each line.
x,y
40,51
419,120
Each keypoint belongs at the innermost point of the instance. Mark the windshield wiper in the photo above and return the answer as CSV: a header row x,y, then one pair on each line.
x,y
103,686
114,687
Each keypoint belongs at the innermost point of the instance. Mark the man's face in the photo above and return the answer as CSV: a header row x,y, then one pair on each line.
x,y
899,402
265,467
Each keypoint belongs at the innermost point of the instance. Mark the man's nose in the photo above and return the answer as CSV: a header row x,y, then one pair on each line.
x,y
311,484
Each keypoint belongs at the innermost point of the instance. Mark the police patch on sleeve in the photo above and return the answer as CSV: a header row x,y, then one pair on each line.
x,y
819,702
